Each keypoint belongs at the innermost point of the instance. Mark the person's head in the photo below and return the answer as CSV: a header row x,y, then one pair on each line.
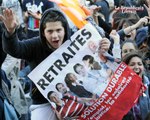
x,y
124,20
127,47
124,23
147,61
60,87
70,78
135,61
120,18
88,60
79,69
53,97
54,28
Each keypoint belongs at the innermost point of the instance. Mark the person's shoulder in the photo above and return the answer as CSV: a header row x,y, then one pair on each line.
x,y
35,39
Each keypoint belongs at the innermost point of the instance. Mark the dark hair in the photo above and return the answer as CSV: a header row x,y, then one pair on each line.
x,y
57,85
147,57
129,41
88,57
122,22
121,18
126,59
49,94
95,64
75,67
54,16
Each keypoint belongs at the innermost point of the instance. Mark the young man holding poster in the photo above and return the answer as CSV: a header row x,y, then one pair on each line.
x,y
54,31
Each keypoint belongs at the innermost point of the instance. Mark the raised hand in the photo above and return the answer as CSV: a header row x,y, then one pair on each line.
x,y
9,19
143,21
104,45
115,36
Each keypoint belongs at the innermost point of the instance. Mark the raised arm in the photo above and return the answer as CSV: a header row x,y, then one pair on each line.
x,y
10,21
142,21
116,51
10,41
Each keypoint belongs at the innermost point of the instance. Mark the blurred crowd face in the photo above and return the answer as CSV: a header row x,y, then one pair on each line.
x,y
132,34
136,65
148,64
127,48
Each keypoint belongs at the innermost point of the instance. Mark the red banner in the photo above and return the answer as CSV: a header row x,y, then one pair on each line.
x,y
118,98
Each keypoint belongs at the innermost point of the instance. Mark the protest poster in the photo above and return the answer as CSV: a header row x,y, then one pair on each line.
x,y
78,84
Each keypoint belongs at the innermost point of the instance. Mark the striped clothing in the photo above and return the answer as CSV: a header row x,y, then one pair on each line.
x,y
71,107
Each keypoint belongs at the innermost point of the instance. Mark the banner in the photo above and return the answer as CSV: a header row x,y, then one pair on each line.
x,y
80,83
76,12
119,96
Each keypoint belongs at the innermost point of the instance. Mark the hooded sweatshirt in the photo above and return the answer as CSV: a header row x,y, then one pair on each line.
x,y
33,50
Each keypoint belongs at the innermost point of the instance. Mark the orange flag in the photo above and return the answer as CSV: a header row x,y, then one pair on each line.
x,y
76,12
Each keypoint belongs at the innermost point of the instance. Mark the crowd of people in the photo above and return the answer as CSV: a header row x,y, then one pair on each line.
x,y
31,30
